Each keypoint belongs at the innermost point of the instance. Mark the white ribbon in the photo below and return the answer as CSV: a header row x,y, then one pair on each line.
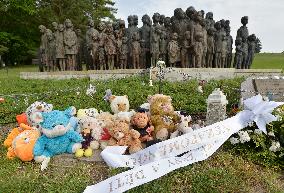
x,y
160,159
260,111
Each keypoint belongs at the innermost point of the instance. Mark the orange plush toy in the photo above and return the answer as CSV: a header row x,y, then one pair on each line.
x,y
22,118
14,133
23,145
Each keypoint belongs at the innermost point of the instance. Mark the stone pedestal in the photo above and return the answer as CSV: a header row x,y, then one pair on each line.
x,y
216,107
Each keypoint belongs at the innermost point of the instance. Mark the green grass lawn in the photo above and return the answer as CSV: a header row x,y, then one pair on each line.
x,y
223,172
268,61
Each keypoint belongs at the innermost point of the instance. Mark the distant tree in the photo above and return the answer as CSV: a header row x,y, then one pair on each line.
x,y
258,46
20,19
77,11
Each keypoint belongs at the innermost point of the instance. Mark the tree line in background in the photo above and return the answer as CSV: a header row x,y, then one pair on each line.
x,y
19,33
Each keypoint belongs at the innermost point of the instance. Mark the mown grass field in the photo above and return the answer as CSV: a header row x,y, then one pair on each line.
x,y
268,61
223,172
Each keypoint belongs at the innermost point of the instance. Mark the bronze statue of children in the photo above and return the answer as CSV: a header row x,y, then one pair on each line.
x,y
173,50
185,50
210,48
135,51
123,53
198,49
239,54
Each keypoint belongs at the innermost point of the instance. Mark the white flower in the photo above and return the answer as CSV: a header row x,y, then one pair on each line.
x,y
234,140
78,93
199,89
275,146
91,90
271,133
257,131
249,131
244,136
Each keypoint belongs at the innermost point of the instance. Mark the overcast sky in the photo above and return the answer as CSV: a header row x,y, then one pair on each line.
x,y
266,17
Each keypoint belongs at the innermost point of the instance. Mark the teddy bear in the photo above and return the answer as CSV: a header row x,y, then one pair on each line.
x,y
23,145
105,120
183,127
58,134
119,103
122,135
38,106
163,117
91,132
141,123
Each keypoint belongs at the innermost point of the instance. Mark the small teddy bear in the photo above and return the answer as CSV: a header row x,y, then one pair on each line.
x,y
141,123
122,135
91,133
119,103
163,117
183,127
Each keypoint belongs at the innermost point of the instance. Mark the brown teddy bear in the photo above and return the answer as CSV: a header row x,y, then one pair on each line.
x,y
122,135
141,123
163,117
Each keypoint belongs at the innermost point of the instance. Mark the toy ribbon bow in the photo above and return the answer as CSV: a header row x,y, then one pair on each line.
x,y
259,111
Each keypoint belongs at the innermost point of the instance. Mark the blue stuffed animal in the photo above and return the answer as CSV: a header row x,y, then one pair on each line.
x,y
58,135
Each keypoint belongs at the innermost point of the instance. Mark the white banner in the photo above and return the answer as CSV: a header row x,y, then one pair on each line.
x,y
160,159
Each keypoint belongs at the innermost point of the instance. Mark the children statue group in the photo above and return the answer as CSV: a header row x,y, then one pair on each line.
x,y
189,39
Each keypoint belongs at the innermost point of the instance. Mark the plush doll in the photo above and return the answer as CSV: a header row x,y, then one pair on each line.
x,y
163,117
91,132
58,136
14,133
23,145
122,135
22,118
183,127
91,112
119,103
37,106
141,123
105,120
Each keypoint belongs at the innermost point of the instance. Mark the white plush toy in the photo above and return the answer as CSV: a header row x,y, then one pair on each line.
x,y
183,126
93,125
91,112
119,103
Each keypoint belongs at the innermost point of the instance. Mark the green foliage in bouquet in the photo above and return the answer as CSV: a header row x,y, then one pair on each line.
x,y
263,149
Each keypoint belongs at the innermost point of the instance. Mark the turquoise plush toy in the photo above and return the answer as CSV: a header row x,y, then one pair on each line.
x,y
58,135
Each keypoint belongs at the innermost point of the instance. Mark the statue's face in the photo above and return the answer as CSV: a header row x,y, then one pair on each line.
x,y
54,25
218,25
61,27
68,23
209,15
91,23
179,14
245,21
190,12
101,26
42,29
135,20
130,20
156,17
162,19
167,21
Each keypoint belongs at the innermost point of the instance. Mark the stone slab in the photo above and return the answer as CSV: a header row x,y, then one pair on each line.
x,y
275,86
68,159
252,86
172,74
54,75
115,74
